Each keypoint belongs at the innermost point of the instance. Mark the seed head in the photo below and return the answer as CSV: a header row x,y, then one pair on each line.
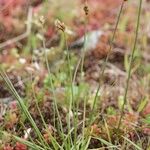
x,y
42,20
86,10
60,25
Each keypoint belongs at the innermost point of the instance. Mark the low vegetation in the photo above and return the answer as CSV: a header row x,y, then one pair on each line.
x,y
74,75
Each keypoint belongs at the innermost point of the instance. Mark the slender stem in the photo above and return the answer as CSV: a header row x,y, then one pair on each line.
x,y
71,100
82,57
52,86
84,120
130,65
76,70
22,106
105,62
84,48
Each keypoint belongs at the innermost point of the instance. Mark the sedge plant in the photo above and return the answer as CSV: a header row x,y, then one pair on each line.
x,y
82,141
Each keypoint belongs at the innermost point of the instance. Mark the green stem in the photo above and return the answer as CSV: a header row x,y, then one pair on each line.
x,y
71,100
52,86
84,48
130,65
105,62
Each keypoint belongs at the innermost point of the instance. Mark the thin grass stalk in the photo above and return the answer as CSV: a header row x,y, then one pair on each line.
x,y
71,103
82,58
130,64
52,139
41,138
81,61
52,86
67,136
105,62
54,95
76,70
84,46
22,106
78,144
85,147
84,120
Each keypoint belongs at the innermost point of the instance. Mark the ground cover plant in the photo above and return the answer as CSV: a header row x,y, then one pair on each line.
x,y
74,75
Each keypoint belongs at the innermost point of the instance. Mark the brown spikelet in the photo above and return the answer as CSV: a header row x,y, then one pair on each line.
x,y
60,25
86,10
